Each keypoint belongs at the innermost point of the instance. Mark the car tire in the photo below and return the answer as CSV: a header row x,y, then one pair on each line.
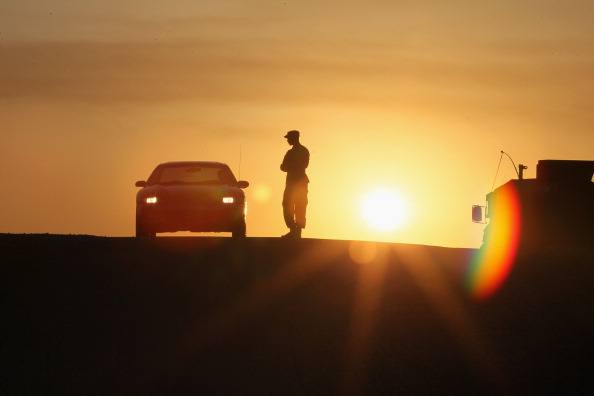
x,y
143,231
240,230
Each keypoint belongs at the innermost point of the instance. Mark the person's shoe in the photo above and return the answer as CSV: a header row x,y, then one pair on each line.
x,y
295,233
288,235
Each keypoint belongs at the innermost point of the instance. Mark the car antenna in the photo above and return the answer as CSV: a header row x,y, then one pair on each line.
x,y
239,170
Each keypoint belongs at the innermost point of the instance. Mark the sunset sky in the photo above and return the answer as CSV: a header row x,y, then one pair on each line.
x,y
416,97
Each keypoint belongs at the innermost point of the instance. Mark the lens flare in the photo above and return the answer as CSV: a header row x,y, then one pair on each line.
x,y
491,266
261,193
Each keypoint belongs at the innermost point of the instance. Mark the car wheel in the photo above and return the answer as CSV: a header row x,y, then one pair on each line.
x,y
239,230
143,231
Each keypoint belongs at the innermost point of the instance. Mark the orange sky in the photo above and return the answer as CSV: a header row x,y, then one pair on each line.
x,y
417,97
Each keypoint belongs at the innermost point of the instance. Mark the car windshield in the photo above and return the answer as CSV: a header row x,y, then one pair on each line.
x,y
192,174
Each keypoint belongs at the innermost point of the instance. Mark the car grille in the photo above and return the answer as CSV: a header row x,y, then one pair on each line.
x,y
192,201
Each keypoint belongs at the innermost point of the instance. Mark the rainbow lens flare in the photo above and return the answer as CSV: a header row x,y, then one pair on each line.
x,y
492,264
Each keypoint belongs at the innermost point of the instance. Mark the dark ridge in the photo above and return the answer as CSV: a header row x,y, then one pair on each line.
x,y
201,315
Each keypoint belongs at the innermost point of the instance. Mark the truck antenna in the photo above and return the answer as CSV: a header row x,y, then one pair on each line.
x,y
499,164
513,163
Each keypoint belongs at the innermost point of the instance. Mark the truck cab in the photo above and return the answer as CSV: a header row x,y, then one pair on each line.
x,y
554,209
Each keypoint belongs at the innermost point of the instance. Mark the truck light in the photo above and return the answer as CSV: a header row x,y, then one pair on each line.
x,y
228,200
151,200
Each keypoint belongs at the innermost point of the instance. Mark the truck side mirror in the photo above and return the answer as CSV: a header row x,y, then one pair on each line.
x,y
478,214
242,184
140,183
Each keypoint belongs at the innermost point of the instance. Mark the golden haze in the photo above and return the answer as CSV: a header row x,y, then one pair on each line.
x,y
419,98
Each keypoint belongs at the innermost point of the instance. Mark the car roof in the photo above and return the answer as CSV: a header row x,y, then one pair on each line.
x,y
195,163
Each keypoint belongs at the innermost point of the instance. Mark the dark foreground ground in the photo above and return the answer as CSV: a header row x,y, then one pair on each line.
x,y
88,315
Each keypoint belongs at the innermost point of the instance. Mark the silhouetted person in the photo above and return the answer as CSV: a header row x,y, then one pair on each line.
x,y
295,196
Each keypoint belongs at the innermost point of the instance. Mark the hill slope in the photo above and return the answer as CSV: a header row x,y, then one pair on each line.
x,y
89,315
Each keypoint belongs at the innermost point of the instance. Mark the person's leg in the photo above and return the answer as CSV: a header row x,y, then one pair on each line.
x,y
300,205
289,207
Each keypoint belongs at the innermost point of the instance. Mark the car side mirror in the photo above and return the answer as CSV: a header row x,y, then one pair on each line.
x,y
140,183
243,184
478,215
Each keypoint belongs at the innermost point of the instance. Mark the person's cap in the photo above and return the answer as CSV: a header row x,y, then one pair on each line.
x,y
292,133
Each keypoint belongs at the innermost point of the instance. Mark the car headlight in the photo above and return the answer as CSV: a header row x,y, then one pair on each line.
x,y
151,200
228,200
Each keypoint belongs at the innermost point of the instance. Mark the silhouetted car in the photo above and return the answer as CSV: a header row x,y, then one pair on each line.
x,y
191,196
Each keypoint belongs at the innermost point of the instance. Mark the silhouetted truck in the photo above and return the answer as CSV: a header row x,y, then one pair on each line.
x,y
554,210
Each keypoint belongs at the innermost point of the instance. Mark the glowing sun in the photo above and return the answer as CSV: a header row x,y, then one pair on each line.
x,y
384,210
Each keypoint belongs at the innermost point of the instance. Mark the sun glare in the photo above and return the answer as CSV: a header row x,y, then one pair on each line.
x,y
384,210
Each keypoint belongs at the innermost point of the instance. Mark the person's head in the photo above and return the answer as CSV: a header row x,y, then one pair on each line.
x,y
292,137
